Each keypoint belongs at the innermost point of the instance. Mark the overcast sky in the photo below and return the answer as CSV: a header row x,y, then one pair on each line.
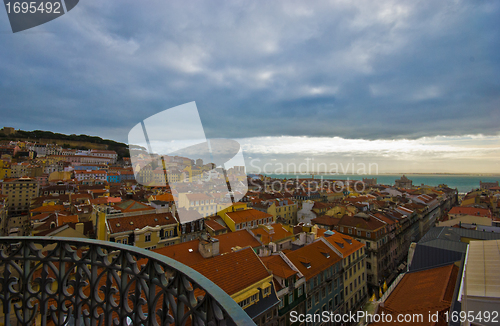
x,y
404,81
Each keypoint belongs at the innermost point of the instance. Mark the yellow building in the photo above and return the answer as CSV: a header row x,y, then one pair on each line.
x,y
148,231
246,219
5,170
20,192
202,203
223,209
354,264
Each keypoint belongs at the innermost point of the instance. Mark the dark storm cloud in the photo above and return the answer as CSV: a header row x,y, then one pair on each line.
x,y
385,69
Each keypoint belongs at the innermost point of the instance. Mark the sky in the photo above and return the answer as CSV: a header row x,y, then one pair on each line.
x,y
409,85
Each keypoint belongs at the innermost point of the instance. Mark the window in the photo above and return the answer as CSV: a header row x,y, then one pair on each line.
x,y
309,303
300,291
290,298
266,291
359,233
323,292
282,304
316,298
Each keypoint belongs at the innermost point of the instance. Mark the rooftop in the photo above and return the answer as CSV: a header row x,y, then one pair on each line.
x,y
313,258
247,215
234,271
483,264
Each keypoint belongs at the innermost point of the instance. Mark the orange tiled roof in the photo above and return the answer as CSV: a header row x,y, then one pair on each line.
x,y
185,252
164,197
278,266
234,271
313,258
241,238
326,220
214,225
359,222
132,206
278,233
247,215
130,223
471,211
63,219
423,291
344,243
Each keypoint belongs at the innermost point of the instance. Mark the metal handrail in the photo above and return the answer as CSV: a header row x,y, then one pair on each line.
x,y
92,282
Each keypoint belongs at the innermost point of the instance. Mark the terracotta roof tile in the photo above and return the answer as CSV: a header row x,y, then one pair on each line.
x,y
234,271
423,291
278,266
471,211
241,238
277,233
130,223
247,215
313,258
343,242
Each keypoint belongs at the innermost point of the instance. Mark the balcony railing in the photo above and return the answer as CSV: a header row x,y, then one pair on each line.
x,y
67,281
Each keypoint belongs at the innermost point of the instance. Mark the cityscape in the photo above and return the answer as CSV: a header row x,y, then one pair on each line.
x,y
269,163
288,250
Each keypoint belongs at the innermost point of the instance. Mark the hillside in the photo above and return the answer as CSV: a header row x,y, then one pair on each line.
x,y
68,141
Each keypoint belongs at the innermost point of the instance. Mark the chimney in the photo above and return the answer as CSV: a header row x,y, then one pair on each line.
x,y
79,228
208,248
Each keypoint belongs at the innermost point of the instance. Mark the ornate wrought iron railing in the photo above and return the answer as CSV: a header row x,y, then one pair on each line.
x,y
66,281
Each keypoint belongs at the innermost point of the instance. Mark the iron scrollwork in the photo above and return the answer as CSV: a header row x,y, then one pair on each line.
x,y
65,281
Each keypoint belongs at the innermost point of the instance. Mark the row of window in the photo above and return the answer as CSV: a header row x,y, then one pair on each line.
x,y
254,223
357,282
255,297
357,266
201,202
323,295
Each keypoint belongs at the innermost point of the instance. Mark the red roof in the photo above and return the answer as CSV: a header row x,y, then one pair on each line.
x,y
313,258
421,292
247,215
277,233
234,271
484,212
278,266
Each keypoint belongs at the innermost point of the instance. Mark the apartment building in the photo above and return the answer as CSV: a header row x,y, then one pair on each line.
x,y
20,192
